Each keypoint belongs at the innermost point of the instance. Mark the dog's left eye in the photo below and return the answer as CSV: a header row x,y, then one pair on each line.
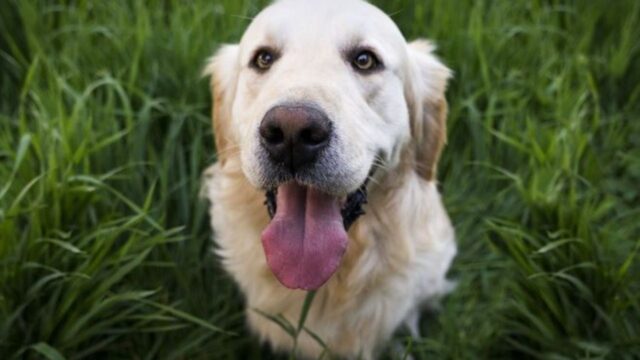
x,y
365,61
263,59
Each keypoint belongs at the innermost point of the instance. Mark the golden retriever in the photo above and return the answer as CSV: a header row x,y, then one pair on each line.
x,y
328,127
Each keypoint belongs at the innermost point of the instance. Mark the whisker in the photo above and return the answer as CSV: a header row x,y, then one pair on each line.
x,y
373,180
392,14
379,162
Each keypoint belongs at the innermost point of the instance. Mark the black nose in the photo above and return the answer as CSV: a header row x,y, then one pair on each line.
x,y
294,135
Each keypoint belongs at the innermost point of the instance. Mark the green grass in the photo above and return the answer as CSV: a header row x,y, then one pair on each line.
x,y
104,133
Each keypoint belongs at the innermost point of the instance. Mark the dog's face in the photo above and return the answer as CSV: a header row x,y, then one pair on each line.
x,y
316,97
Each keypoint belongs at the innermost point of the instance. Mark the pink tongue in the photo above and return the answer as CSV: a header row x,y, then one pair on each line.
x,y
305,241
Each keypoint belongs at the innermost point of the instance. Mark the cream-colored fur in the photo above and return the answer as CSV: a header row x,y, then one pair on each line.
x,y
400,250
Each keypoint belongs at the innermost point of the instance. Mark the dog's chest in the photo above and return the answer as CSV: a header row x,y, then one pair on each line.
x,y
385,274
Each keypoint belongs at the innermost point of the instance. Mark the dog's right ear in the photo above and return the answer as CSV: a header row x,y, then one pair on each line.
x,y
223,70
425,94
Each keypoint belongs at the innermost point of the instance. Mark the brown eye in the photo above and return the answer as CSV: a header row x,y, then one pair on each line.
x,y
263,60
365,61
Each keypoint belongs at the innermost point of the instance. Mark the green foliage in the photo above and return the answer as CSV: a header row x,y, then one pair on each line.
x,y
104,133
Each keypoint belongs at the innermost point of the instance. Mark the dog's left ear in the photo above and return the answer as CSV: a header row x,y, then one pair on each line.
x,y
425,93
223,70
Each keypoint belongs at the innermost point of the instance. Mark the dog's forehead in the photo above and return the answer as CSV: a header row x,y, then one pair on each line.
x,y
316,23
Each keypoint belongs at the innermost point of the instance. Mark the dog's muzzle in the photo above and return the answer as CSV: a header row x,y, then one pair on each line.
x,y
307,235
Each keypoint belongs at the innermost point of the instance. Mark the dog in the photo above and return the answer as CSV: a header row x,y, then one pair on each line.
x,y
328,127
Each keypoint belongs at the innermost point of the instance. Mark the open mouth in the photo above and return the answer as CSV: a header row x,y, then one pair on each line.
x,y
307,236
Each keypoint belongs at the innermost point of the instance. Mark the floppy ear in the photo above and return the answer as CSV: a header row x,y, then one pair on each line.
x,y
223,69
424,91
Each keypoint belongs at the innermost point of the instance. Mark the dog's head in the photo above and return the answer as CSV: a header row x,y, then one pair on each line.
x,y
316,97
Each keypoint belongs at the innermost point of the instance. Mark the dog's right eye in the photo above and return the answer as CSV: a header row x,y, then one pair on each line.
x,y
364,61
263,60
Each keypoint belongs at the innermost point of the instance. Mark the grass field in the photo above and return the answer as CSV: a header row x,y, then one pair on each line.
x,y
104,133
